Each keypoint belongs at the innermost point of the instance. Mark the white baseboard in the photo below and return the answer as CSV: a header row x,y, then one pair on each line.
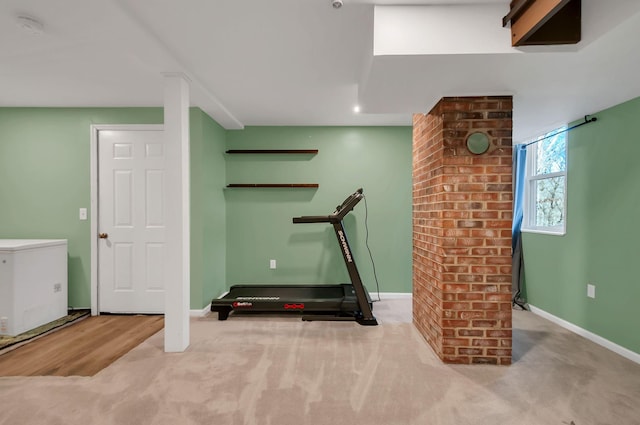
x,y
200,313
390,295
624,352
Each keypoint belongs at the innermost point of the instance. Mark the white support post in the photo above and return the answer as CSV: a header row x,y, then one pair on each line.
x,y
177,255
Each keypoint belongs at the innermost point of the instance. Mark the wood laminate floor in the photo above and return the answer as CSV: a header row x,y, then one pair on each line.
x,y
81,349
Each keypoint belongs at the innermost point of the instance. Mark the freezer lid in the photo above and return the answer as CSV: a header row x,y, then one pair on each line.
x,y
10,245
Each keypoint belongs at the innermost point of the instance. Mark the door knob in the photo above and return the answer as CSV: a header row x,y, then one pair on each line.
x,y
103,235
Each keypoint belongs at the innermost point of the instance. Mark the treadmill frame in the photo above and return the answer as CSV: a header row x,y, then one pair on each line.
x,y
344,311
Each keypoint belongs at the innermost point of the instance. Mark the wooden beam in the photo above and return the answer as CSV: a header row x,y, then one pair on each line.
x,y
563,28
557,20
517,7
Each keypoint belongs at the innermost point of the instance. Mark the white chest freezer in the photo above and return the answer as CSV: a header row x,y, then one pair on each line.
x,y
33,283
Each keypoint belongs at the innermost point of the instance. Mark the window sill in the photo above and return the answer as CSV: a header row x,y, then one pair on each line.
x,y
554,232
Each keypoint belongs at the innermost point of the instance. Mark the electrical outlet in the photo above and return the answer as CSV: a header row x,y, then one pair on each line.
x,y
57,287
591,290
272,264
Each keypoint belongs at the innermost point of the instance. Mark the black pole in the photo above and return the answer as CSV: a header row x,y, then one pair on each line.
x,y
587,120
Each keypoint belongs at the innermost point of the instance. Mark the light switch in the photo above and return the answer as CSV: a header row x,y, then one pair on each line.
x,y
83,213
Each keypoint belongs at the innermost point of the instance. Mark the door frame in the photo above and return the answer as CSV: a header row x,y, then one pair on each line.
x,y
93,217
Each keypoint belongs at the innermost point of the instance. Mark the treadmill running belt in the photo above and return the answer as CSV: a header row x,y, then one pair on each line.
x,y
285,292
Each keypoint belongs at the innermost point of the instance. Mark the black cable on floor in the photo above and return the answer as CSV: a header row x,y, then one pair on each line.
x,y
366,242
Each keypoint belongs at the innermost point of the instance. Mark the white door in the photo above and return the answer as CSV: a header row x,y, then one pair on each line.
x,y
131,222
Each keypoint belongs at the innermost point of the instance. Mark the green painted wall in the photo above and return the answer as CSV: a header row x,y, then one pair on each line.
x,y
259,226
44,179
601,243
196,181
208,230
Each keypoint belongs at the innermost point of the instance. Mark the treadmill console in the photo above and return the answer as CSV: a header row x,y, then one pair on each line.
x,y
352,200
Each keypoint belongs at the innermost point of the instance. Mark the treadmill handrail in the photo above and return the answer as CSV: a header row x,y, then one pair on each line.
x,y
314,219
341,211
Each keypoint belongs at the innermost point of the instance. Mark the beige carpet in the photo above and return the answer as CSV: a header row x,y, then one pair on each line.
x,y
251,370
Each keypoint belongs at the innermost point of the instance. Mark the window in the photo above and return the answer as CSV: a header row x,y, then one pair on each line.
x,y
546,184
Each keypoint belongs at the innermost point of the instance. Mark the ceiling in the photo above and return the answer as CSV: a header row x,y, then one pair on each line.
x,y
301,62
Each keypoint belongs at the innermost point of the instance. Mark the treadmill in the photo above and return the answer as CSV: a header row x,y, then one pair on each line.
x,y
337,302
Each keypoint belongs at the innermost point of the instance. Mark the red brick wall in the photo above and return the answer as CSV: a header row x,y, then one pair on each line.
x,y
462,230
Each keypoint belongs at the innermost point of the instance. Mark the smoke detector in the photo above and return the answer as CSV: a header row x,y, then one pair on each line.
x,y
30,25
337,4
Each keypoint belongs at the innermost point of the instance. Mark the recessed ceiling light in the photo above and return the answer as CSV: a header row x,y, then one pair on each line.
x,y
30,25
356,109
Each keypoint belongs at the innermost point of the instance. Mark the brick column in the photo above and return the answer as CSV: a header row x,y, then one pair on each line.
x,y
462,210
